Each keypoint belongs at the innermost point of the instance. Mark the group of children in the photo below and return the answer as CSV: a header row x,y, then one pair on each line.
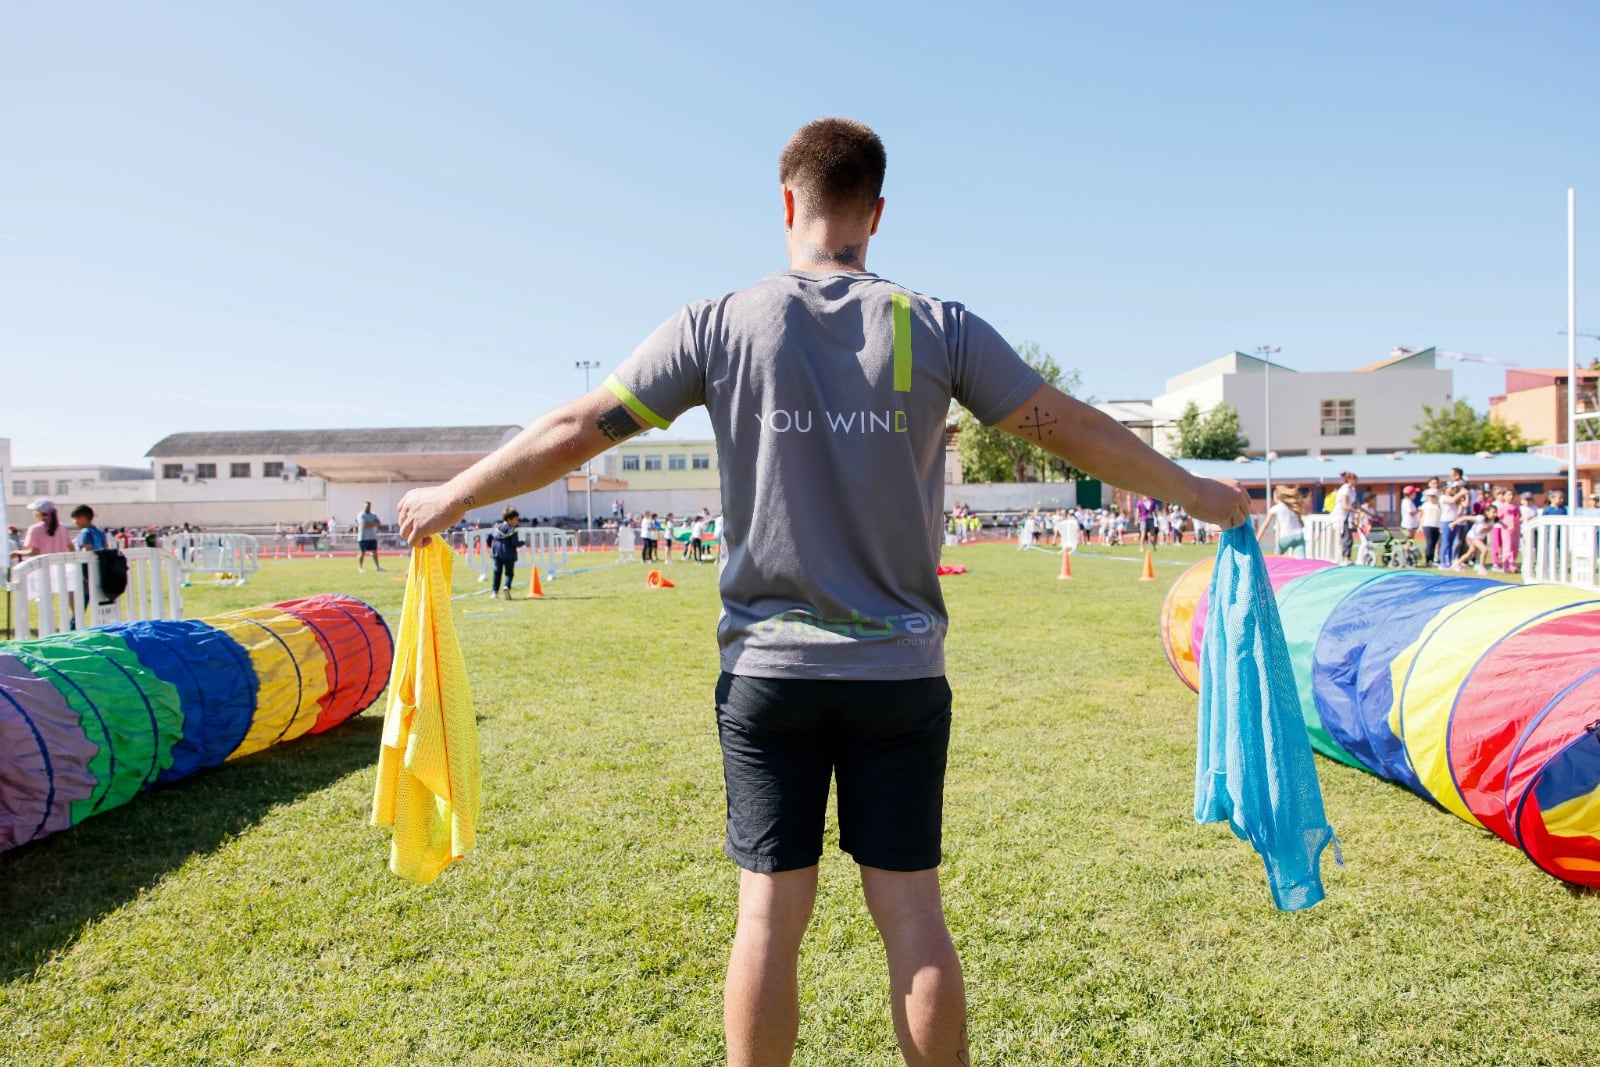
x,y
654,532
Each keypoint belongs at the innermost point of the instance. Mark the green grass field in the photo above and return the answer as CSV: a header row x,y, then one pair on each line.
x,y
247,915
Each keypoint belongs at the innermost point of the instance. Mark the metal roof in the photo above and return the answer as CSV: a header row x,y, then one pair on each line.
x,y
402,440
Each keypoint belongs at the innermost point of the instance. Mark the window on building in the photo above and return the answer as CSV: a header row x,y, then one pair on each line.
x,y
272,469
19,488
630,463
205,470
63,487
238,470
652,463
41,486
677,463
172,470
701,461
1338,418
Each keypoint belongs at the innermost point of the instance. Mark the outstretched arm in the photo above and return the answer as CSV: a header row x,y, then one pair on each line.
x,y
554,444
1094,442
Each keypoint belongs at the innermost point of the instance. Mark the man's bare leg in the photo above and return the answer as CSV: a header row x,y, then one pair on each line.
x,y
761,1002
927,992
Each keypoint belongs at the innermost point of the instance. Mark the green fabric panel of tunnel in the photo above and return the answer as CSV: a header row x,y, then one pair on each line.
x,y
130,714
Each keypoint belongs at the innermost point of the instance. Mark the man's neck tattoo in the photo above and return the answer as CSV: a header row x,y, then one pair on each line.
x,y
847,256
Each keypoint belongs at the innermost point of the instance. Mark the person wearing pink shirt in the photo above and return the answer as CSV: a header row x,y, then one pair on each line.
x,y
47,534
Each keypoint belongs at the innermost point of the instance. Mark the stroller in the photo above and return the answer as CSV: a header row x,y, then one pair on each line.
x,y
1379,546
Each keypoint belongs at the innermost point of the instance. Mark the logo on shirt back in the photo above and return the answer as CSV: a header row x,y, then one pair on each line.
x,y
915,627
781,420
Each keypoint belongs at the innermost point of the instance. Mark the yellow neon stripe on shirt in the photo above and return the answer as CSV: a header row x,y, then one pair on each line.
x,y
902,342
634,404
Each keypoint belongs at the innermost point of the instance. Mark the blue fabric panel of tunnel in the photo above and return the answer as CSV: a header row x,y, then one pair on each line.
x,y
214,680
1396,613
1571,773
1335,665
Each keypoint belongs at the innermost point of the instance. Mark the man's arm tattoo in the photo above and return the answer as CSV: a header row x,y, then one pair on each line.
x,y
468,500
848,256
617,423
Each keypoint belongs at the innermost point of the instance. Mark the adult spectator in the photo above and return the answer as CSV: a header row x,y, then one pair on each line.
x,y
799,704
1346,512
1146,510
46,535
367,537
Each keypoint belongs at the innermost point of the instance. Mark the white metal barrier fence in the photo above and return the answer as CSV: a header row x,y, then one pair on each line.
x,y
232,557
65,586
1562,549
1322,537
544,547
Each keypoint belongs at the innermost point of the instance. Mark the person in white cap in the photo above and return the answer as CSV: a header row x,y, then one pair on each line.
x,y
47,534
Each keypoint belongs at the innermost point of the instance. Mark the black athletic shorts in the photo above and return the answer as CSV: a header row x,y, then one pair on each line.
x,y
783,740
368,546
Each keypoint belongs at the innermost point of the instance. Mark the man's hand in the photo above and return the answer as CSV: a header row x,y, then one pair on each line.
x,y
424,512
1222,501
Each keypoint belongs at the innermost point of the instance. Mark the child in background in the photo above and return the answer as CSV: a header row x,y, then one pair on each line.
x,y
89,538
503,544
1478,540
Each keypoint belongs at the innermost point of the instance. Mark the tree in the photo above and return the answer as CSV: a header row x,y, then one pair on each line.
x,y
1458,428
989,454
1214,435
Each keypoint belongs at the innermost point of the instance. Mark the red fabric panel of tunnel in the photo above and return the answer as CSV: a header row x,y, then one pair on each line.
x,y
359,650
1513,682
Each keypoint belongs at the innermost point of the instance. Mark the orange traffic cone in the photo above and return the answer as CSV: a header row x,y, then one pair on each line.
x,y
655,580
1149,574
535,590
1066,564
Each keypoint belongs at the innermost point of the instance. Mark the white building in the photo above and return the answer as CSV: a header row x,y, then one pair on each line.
x,y
1314,413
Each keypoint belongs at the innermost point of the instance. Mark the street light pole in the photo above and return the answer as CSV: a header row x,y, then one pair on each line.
x,y
587,365
1266,352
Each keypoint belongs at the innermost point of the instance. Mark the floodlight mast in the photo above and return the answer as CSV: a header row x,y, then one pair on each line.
x,y
587,365
1572,352
1266,352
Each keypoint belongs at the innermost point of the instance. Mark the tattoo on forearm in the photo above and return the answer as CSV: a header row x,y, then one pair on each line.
x,y
1039,427
617,423
848,256
468,500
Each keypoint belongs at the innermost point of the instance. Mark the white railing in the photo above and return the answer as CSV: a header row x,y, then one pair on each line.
x,y
1322,537
544,547
56,583
1562,549
232,557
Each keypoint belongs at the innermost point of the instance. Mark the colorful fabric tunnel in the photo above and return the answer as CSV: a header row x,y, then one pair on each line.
x,y
1478,695
88,719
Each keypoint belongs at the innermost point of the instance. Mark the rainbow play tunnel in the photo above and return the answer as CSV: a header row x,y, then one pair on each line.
x,y
1481,696
88,719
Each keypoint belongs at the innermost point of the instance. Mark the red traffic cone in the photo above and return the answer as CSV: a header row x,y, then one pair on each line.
x,y
1066,564
535,590
1149,574
655,580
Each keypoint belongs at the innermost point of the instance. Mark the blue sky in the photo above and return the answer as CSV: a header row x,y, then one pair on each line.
x,y
361,214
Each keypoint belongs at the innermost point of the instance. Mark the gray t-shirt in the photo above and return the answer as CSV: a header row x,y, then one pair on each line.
x,y
828,393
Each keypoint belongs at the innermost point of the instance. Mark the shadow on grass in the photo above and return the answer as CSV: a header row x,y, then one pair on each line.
x,y
56,886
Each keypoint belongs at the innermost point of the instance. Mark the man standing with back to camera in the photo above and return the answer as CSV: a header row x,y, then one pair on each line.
x,y
828,389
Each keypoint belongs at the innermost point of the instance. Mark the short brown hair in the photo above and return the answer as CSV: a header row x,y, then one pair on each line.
x,y
835,164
